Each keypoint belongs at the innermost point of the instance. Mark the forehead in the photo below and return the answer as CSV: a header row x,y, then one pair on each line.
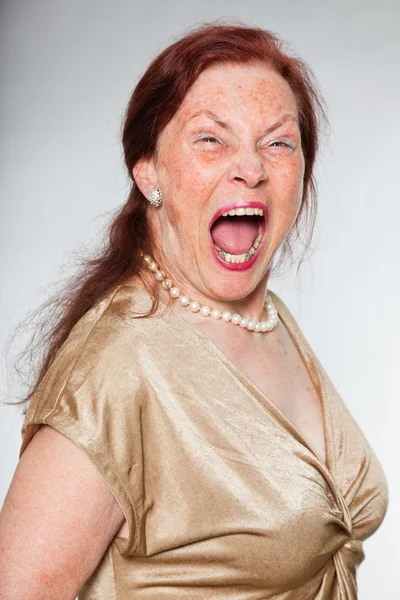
x,y
230,89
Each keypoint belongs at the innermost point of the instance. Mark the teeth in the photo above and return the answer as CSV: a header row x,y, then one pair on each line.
x,y
244,211
240,258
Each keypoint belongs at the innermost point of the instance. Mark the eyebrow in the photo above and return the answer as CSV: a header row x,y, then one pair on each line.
x,y
210,115
224,125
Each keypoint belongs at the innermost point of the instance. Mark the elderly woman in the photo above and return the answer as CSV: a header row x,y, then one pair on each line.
x,y
182,439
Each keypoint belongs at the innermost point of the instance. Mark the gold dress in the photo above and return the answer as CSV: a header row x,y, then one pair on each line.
x,y
224,498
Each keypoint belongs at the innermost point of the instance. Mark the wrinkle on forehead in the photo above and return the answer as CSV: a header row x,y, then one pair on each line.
x,y
262,91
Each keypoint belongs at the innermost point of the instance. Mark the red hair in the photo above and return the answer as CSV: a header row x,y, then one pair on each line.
x,y
153,103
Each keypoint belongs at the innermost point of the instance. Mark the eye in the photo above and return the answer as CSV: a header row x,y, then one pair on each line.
x,y
209,139
279,147
278,144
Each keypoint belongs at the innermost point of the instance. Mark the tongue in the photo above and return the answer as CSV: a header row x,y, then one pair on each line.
x,y
235,234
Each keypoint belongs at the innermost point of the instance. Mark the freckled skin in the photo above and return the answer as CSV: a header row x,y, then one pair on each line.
x,y
202,165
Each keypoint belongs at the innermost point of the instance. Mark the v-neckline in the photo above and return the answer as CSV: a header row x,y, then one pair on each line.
x,y
254,391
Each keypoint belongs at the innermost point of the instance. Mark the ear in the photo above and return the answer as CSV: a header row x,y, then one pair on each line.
x,y
145,175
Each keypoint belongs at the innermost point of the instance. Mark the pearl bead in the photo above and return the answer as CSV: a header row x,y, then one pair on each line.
x,y
194,306
205,311
251,324
264,326
235,319
215,313
159,275
184,300
167,284
174,292
153,267
257,327
226,316
243,322
148,259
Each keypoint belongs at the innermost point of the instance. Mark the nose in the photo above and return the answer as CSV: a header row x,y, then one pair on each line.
x,y
248,167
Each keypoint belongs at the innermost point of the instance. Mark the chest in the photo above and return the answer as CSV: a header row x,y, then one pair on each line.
x,y
281,375
278,371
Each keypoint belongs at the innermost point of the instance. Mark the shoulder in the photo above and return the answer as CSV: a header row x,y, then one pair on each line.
x,y
97,370
107,335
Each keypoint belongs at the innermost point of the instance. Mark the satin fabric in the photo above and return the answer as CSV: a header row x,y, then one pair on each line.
x,y
223,497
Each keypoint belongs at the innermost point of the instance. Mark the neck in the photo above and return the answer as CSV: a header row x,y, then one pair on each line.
x,y
251,305
195,306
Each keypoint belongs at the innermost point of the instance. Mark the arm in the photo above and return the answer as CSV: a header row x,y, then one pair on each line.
x,y
58,519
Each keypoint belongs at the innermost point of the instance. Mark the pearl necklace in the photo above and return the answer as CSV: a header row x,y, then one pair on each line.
x,y
214,313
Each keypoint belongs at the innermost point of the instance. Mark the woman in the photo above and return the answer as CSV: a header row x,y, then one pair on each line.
x,y
202,451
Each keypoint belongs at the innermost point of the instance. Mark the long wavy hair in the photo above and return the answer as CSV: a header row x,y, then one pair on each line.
x,y
153,103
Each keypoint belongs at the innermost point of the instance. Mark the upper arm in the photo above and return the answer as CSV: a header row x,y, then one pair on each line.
x,y
58,518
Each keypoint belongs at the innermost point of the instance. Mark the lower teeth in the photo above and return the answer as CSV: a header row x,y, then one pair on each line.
x,y
239,258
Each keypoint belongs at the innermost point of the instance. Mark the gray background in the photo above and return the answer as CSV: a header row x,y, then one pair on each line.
x,y
67,70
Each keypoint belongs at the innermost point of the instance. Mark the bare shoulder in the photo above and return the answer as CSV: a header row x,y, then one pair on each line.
x,y
57,520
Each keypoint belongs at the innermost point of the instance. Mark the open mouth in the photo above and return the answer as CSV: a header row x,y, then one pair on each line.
x,y
237,233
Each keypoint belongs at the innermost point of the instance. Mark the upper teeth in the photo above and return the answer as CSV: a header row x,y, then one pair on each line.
x,y
244,211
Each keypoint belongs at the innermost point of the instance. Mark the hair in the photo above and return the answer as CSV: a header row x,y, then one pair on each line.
x,y
153,103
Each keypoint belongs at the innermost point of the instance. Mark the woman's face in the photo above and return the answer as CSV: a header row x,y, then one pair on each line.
x,y
234,142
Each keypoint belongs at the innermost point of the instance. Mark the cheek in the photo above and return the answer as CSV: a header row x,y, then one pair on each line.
x,y
187,178
183,189
291,184
289,188
174,173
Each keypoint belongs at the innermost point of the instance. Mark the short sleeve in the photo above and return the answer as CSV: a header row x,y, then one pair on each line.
x,y
92,393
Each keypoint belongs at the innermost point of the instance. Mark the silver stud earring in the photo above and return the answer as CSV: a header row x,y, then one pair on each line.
x,y
155,197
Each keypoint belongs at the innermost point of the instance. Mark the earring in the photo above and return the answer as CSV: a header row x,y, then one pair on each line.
x,y
155,197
